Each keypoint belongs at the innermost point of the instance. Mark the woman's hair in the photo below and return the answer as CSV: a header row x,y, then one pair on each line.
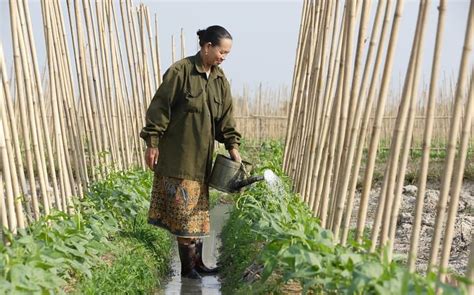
x,y
213,34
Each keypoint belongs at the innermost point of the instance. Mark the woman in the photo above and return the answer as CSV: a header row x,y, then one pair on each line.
x,y
191,109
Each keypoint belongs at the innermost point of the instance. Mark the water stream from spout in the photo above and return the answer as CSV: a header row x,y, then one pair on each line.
x,y
274,183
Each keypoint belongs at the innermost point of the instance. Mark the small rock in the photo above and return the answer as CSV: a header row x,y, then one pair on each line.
x,y
410,190
428,231
405,218
461,204
468,200
428,220
431,200
408,203
407,227
463,227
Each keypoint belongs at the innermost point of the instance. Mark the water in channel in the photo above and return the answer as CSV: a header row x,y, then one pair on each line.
x,y
208,285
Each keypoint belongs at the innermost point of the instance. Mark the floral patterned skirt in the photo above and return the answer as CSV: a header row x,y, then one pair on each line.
x,y
180,206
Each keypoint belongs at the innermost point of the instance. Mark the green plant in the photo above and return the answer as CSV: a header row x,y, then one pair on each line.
x,y
142,254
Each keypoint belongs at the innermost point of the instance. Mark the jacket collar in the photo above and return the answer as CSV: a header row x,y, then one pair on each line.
x,y
215,70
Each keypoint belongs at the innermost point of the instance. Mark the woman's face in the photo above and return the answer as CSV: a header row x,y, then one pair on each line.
x,y
218,53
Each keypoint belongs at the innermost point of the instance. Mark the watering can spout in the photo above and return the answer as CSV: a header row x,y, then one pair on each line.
x,y
247,181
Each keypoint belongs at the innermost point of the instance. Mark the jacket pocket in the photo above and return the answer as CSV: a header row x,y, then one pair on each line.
x,y
217,107
194,100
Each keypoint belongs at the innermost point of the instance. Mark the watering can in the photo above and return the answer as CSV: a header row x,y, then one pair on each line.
x,y
230,176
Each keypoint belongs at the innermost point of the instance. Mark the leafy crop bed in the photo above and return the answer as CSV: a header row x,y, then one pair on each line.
x,y
273,244
105,247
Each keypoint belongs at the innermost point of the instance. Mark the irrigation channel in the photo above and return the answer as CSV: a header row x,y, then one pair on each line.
x,y
209,284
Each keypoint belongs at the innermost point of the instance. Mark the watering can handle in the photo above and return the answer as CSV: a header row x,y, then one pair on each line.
x,y
242,166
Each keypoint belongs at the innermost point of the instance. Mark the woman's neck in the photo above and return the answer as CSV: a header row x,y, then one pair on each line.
x,y
205,65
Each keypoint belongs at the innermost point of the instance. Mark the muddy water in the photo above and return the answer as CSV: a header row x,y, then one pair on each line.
x,y
208,285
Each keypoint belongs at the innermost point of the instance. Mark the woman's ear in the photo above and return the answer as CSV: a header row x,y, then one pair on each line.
x,y
207,47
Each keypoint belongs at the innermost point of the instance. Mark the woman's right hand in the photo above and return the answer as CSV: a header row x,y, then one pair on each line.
x,y
151,157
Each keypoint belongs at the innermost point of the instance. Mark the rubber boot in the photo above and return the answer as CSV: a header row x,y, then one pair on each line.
x,y
187,254
199,264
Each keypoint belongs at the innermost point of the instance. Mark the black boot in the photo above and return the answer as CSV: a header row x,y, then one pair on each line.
x,y
199,264
187,252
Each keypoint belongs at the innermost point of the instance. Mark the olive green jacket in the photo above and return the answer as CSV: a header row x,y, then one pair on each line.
x,y
188,112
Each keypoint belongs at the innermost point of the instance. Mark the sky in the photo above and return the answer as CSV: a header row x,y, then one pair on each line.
x,y
265,35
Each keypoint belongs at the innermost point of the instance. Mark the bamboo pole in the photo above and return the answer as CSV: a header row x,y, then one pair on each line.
x,y
134,109
382,98
359,128
5,165
346,65
453,133
353,121
323,81
310,109
183,47
16,141
341,189
24,119
122,148
301,86
305,111
53,73
317,105
328,186
80,128
470,269
110,109
41,98
120,141
335,135
32,106
140,110
296,77
11,136
144,60
415,235
405,139
294,137
61,104
153,52
371,96
326,152
122,85
173,50
97,80
65,68
26,39
65,90
321,154
139,62
157,53
460,165
81,70
3,210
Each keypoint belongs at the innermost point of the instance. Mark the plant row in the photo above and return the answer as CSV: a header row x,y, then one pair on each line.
x,y
273,243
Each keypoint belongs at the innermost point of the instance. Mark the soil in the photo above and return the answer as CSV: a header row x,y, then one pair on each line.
x,y
463,225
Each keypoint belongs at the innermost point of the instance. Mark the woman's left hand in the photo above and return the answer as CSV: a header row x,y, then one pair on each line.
x,y
235,155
